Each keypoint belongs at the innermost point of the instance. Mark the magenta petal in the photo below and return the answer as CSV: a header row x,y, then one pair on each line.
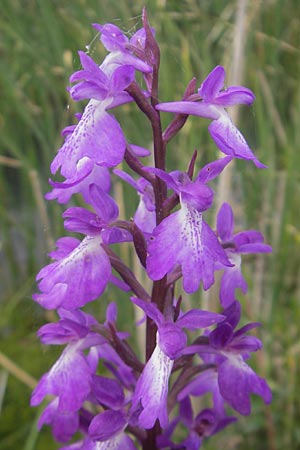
x,y
69,380
52,299
212,84
64,246
225,222
251,241
97,136
106,425
230,140
87,90
144,218
150,309
255,248
237,381
203,383
121,78
122,59
211,170
64,424
103,204
197,195
248,237
108,392
90,67
235,95
190,242
85,271
87,174
201,251
165,236
173,180
246,344
81,220
171,340
111,36
231,280
196,318
152,390
140,151
126,177
194,108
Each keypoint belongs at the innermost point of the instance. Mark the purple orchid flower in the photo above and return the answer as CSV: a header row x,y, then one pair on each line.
x,y
152,387
82,269
250,241
231,348
87,174
207,423
188,238
79,275
98,136
123,51
212,106
71,376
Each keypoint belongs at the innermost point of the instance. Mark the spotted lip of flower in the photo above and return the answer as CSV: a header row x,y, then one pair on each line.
x,y
98,136
82,269
73,377
212,106
152,386
190,241
70,377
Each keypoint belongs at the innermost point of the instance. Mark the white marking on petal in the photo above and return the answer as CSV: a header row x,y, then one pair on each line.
x,y
152,389
191,231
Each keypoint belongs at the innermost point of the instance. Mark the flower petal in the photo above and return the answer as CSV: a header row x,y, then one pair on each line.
x,y
235,95
212,84
165,236
85,272
152,390
231,280
225,222
107,391
237,381
69,379
194,108
191,243
196,318
64,424
211,170
230,140
97,136
106,425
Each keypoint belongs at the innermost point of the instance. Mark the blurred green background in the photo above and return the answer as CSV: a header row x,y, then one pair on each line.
x,y
258,43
